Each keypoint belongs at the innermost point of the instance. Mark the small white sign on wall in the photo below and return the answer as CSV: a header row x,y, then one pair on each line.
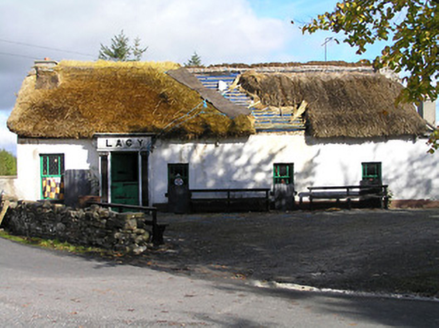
x,y
110,143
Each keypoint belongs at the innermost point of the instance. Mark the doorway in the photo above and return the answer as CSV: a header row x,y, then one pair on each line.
x,y
178,188
283,184
125,178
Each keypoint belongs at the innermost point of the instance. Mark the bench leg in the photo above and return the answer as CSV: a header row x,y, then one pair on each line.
x,y
157,234
385,202
300,203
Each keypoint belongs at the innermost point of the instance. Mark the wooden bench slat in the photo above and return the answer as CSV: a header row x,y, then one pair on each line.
x,y
346,192
331,195
230,195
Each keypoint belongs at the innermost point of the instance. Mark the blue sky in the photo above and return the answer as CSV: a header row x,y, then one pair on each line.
x,y
226,31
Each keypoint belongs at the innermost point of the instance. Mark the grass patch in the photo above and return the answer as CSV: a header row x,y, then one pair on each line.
x,y
54,244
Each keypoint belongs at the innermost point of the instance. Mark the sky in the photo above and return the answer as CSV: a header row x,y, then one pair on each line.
x,y
226,31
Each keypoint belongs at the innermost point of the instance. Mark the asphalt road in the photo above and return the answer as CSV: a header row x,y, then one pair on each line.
x,y
42,288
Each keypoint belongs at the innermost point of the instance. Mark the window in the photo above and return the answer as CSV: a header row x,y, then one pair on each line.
x,y
178,174
371,171
283,173
52,165
52,176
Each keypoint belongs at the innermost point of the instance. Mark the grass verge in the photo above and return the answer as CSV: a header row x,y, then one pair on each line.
x,y
54,244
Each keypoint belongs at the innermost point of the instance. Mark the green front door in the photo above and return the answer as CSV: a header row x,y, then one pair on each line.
x,y
124,178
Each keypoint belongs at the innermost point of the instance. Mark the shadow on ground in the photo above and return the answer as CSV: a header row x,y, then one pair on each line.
x,y
379,251
369,250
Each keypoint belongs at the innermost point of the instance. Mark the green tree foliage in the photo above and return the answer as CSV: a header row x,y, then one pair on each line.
x,y
433,141
412,26
120,50
195,60
8,163
137,49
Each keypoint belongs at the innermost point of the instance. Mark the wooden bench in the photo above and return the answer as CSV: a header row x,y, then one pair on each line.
x,y
230,197
348,193
157,229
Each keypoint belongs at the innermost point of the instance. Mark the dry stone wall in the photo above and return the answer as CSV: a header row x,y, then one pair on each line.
x,y
93,226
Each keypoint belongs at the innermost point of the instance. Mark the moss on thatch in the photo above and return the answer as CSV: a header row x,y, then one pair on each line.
x,y
339,105
108,97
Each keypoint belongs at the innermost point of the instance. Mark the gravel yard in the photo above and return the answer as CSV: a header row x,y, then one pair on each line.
x,y
365,250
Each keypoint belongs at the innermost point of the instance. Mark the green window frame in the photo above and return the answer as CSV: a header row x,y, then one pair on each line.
x,y
52,165
52,176
371,171
283,173
178,171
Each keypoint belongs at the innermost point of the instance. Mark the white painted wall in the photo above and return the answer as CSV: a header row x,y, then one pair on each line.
x,y
245,163
78,154
407,168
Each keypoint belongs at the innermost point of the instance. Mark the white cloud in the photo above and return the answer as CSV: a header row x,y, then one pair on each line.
x,y
172,29
220,31
226,31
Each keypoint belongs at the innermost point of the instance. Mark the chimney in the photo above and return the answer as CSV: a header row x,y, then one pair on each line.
x,y
47,78
45,65
427,110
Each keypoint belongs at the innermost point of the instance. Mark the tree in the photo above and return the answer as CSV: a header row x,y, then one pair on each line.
x,y
195,60
8,163
413,26
120,50
137,50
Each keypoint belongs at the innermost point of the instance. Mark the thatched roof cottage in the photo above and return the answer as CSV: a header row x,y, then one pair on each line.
x,y
128,131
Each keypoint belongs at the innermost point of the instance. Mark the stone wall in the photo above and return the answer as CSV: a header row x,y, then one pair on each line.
x,y
93,226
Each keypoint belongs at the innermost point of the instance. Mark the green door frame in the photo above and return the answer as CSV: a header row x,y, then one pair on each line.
x,y
48,171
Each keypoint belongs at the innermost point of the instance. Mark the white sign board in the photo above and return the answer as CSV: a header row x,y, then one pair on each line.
x,y
124,143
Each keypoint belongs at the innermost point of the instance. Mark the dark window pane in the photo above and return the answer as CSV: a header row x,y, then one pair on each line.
x,y
178,172
52,165
371,171
283,173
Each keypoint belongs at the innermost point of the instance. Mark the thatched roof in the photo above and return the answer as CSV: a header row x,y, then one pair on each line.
x,y
359,105
79,99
